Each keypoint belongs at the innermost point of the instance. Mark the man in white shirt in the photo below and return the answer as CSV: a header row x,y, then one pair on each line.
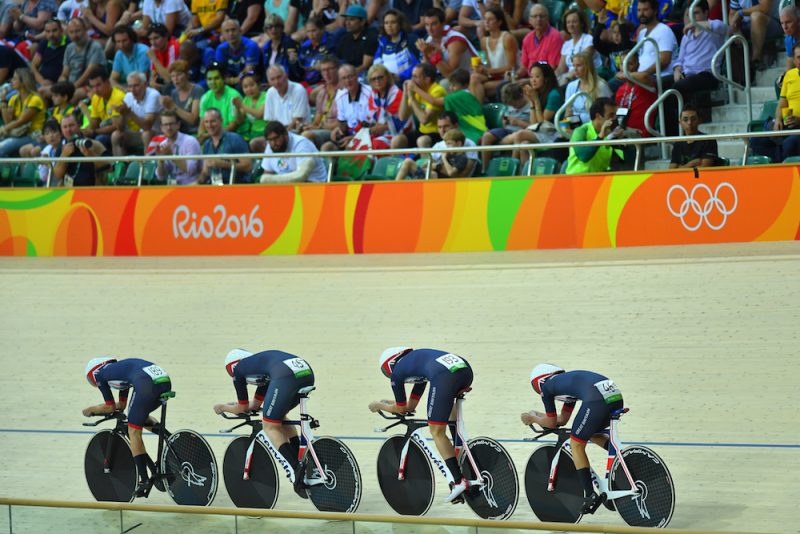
x,y
352,108
140,106
285,169
286,102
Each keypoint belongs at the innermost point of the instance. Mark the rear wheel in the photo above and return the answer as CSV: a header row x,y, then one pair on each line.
x,y
342,491
654,504
119,484
414,494
497,499
261,489
190,469
563,505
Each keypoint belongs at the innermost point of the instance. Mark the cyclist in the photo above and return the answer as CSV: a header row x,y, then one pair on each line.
x,y
279,376
449,375
599,397
148,381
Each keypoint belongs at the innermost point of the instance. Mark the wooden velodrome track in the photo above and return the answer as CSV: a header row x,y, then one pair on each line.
x,y
701,340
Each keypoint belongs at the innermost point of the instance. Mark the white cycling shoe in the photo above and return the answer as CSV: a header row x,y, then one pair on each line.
x,y
457,489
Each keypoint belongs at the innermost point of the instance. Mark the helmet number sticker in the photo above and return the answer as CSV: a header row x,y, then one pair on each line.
x,y
609,390
299,367
156,373
452,362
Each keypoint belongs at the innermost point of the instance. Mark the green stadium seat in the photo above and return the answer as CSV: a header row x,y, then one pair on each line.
x,y
545,166
504,166
723,162
27,175
564,166
493,113
792,159
556,9
767,112
7,173
385,168
149,175
131,176
758,160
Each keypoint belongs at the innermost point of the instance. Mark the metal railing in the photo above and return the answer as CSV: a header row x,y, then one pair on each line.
x,y
728,80
663,96
657,89
567,104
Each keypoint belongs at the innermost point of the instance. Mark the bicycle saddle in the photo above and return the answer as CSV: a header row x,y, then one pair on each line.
x,y
306,390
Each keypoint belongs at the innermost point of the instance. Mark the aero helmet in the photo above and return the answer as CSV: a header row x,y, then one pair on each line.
x,y
389,357
94,365
234,357
542,372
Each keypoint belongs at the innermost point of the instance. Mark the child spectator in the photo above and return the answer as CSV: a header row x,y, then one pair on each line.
x,y
61,94
251,107
454,164
515,118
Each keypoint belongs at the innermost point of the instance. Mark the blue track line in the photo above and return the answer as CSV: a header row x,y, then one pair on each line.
x,y
381,438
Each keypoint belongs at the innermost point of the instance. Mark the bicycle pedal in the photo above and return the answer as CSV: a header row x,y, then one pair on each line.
x,y
458,500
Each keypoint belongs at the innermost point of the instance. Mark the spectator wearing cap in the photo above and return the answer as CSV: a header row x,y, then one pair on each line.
x,y
172,14
164,50
237,54
286,102
131,56
222,98
281,49
359,43
81,58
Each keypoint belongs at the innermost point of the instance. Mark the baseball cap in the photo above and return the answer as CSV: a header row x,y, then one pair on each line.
x,y
356,11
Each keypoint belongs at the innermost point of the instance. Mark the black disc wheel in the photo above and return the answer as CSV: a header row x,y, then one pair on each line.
x,y
119,484
655,502
413,495
564,503
260,490
498,497
342,490
190,469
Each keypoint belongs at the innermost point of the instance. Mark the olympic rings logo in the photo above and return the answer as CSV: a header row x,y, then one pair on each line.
x,y
702,203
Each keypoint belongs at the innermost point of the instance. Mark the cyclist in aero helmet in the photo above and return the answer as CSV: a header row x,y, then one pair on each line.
x,y
448,374
279,376
148,381
599,397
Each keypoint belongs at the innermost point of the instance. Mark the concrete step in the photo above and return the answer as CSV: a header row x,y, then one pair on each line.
x,y
766,78
758,94
724,127
734,113
656,164
731,149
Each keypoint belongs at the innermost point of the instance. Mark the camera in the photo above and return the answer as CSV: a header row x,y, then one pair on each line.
x,y
622,118
82,142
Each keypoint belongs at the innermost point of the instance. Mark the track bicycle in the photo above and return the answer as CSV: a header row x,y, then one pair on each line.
x,y
186,466
406,477
331,471
637,482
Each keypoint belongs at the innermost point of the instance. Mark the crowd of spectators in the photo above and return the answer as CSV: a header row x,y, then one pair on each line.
x,y
228,77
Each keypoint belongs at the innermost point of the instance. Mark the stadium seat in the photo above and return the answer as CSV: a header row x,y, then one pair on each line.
x,y
7,172
27,175
767,112
385,168
564,166
117,172
723,162
149,175
556,10
792,159
502,167
493,113
343,178
758,160
544,166
131,176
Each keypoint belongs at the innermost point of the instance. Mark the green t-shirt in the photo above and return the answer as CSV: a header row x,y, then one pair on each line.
x,y
255,127
470,113
225,106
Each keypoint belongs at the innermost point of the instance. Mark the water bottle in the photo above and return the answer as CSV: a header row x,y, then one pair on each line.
x,y
4,89
483,57
216,176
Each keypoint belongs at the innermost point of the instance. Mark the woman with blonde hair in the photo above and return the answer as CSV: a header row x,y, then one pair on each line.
x,y
386,126
580,41
587,81
23,115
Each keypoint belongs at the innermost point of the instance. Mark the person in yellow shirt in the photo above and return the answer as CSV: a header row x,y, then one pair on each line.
x,y
787,117
23,115
105,100
207,17
424,98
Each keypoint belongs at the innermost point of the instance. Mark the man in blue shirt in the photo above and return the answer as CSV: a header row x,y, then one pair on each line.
x,y
48,61
237,54
131,56
219,141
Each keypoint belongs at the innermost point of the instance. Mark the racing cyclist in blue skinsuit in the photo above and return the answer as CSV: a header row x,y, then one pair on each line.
x,y
599,397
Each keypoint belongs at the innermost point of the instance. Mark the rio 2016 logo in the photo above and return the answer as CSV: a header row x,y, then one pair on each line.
x,y
187,224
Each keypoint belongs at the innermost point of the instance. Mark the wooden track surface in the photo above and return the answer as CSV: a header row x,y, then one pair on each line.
x,y
701,340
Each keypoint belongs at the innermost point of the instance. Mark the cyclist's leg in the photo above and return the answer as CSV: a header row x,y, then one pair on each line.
x,y
143,400
592,417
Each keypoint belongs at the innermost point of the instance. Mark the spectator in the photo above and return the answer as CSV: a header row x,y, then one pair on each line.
x,y
394,46
327,10
318,46
290,169
52,143
386,127
252,106
787,117
48,60
80,173
197,61
447,121
421,95
470,20
615,50
207,17
184,97
61,94
588,159
69,130
249,13
81,58
515,118
412,11
105,101
580,41
352,108
689,154
445,48
376,9
636,99
105,15
27,19
360,43
454,164
237,54
758,21
163,51
588,82
280,49
692,69
172,14
131,56
789,18
662,34
319,129
465,105
222,98
545,98
501,51
182,171
10,60
23,116
219,141
544,43
138,113
286,102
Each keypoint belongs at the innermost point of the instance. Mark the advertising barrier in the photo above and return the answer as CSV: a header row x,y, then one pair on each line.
x,y
662,208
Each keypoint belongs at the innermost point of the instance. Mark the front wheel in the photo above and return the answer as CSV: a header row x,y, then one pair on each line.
x,y
190,469
655,501
119,484
497,499
342,491
260,490
414,494
564,503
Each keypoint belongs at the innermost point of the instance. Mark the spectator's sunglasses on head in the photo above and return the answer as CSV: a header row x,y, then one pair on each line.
x,y
245,74
158,28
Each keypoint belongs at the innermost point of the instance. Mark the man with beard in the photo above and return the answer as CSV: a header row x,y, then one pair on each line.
x,y
289,169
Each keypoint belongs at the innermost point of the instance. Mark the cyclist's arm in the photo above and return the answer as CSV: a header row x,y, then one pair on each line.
x,y
98,409
566,413
536,418
232,407
389,406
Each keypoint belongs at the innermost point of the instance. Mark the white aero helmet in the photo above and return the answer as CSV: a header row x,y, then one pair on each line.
x,y
389,357
94,365
542,372
234,357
